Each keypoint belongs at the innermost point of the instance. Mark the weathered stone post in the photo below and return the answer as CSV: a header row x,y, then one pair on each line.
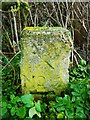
x,y
45,60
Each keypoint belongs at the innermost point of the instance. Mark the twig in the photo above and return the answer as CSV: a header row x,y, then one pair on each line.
x,y
9,63
15,27
31,16
78,17
35,18
12,32
72,17
8,53
8,37
50,15
60,15
11,60
78,54
20,26
76,60
11,26
56,14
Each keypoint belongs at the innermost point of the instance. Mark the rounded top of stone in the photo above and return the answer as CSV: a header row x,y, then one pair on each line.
x,y
45,29
60,32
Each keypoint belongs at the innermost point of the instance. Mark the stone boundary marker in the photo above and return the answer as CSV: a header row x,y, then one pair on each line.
x,y
45,60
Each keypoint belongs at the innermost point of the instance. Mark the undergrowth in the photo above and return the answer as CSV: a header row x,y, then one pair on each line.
x,y
72,103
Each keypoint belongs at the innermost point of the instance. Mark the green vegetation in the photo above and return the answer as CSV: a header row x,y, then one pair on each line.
x,y
72,103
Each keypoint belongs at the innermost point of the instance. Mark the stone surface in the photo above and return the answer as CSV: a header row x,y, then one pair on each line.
x,y
45,60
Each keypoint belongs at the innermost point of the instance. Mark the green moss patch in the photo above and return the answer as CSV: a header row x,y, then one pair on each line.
x,y
45,59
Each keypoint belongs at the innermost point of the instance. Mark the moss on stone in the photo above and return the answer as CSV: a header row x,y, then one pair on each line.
x,y
45,61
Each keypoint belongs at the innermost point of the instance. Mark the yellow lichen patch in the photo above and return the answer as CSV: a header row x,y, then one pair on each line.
x,y
45,60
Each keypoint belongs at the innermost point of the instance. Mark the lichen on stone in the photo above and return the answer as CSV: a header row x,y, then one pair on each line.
x,y
46,56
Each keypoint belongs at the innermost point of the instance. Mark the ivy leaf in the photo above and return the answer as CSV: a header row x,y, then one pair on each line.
x,y
28,100
52,110
12,97
60,109
13,111
58,99
44,105
52,103
21,112
33,112
17,99
4,108
83,62
60,115
9,106
66,100
73,98
4,104
74,94
4,111
38,106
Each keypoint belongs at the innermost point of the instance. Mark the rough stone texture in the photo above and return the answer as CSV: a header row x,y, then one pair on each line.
x,y
45,60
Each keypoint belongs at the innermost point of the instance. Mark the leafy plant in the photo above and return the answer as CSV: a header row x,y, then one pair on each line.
x,y
21,107
73,103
